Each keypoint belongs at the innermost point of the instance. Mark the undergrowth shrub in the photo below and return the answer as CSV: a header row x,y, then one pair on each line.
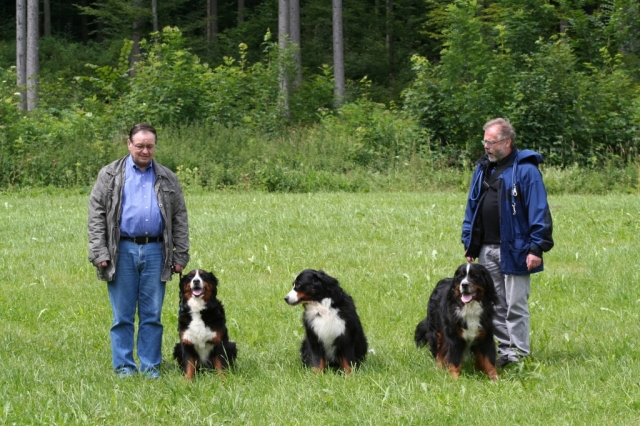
x,y
576,113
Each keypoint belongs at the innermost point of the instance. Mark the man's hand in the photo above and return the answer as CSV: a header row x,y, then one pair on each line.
x,y
533,261
177,268
102,264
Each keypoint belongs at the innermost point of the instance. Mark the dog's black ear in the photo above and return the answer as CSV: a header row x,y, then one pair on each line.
x,y
211,278
489,287
331,286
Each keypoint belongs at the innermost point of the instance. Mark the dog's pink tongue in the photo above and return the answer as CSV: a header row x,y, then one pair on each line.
x,y
199,292
466,298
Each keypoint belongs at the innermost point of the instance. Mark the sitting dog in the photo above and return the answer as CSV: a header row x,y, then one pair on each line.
x,y
204,340
334,335
459,320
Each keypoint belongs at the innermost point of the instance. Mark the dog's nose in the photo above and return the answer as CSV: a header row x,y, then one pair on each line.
x,y
196,282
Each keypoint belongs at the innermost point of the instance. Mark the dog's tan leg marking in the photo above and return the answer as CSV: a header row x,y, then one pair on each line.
x,y
190,371
217,364
483,364
455,370
344,364
320,368
441,356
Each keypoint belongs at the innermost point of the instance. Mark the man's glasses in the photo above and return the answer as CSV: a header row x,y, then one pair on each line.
x,y
490,143
143,147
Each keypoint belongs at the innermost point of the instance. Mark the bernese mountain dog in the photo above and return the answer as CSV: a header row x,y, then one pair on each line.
x,y
204,339
334,335
459,321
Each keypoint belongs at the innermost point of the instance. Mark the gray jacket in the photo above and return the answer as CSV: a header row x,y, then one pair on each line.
x,y
105,207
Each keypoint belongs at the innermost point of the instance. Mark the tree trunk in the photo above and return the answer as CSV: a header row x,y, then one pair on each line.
x,y
240,11
294,31
338,55
212,20
33,63
135,37
99,33
154,12
84,23
21,50
390,51
46,5
283,39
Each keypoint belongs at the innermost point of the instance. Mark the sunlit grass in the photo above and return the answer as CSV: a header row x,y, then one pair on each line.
x,y
387,249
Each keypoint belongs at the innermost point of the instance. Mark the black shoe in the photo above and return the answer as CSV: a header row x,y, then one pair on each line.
x,y
503,362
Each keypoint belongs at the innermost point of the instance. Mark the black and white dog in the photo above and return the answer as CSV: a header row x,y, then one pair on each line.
x,y
334,335
460,320
204,339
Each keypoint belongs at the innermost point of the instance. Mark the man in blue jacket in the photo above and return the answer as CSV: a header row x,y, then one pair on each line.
x,y
507,226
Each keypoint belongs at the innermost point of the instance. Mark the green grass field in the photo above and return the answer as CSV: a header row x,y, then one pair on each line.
x,y
387,249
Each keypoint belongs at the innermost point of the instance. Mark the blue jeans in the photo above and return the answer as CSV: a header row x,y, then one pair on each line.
x,y
137,284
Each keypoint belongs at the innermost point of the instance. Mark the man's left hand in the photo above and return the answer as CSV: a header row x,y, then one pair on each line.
x,y
533,261
178,268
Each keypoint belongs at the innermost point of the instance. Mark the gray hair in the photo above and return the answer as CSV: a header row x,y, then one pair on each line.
x,y
506,129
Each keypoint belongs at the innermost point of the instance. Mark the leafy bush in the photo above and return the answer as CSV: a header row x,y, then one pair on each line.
x,y
578,115
378,137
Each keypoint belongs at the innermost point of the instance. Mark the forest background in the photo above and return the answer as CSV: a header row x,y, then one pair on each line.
x,y
422,76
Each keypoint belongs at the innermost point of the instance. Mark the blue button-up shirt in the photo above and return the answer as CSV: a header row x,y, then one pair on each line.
x,y
141,215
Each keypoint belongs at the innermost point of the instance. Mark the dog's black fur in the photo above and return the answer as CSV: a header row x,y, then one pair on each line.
x,y
204,338
460,319
334,334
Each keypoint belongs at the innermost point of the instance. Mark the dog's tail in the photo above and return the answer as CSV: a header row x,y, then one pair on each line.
x,y
421,333
177,353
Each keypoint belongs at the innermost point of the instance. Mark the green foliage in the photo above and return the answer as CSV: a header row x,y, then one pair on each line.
x,y
110,82
547,93
242,94
167,85
64,147
380,137
571,114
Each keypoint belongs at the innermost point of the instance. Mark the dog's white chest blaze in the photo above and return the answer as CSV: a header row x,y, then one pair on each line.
x,y
470,313
198,333
325,322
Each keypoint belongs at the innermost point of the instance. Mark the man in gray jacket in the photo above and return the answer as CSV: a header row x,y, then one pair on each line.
x,y
138,235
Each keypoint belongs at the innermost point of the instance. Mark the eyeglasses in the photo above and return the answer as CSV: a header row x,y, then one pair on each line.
x,y
490,143
143,147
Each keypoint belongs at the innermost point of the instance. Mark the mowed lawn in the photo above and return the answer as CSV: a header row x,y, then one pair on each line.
x,y
387,249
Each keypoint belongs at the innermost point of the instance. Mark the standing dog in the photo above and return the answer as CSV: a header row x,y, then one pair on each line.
x,y
334,334
204,340
460,320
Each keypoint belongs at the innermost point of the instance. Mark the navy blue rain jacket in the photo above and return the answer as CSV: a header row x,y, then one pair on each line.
x,y
525,219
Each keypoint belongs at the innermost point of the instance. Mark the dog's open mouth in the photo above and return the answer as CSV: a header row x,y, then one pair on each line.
x,y
197,292
467,297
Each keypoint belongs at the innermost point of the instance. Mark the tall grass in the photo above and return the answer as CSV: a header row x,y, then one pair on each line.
x,y
387,249
360,150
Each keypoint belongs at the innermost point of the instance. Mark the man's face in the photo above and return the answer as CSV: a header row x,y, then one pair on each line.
x,y
495,148
142,148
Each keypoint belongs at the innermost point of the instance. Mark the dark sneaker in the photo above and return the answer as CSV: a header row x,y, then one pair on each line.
x,y
151,374
503,362
123,372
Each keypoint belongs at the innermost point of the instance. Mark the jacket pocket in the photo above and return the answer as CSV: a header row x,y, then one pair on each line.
x,y
518,251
